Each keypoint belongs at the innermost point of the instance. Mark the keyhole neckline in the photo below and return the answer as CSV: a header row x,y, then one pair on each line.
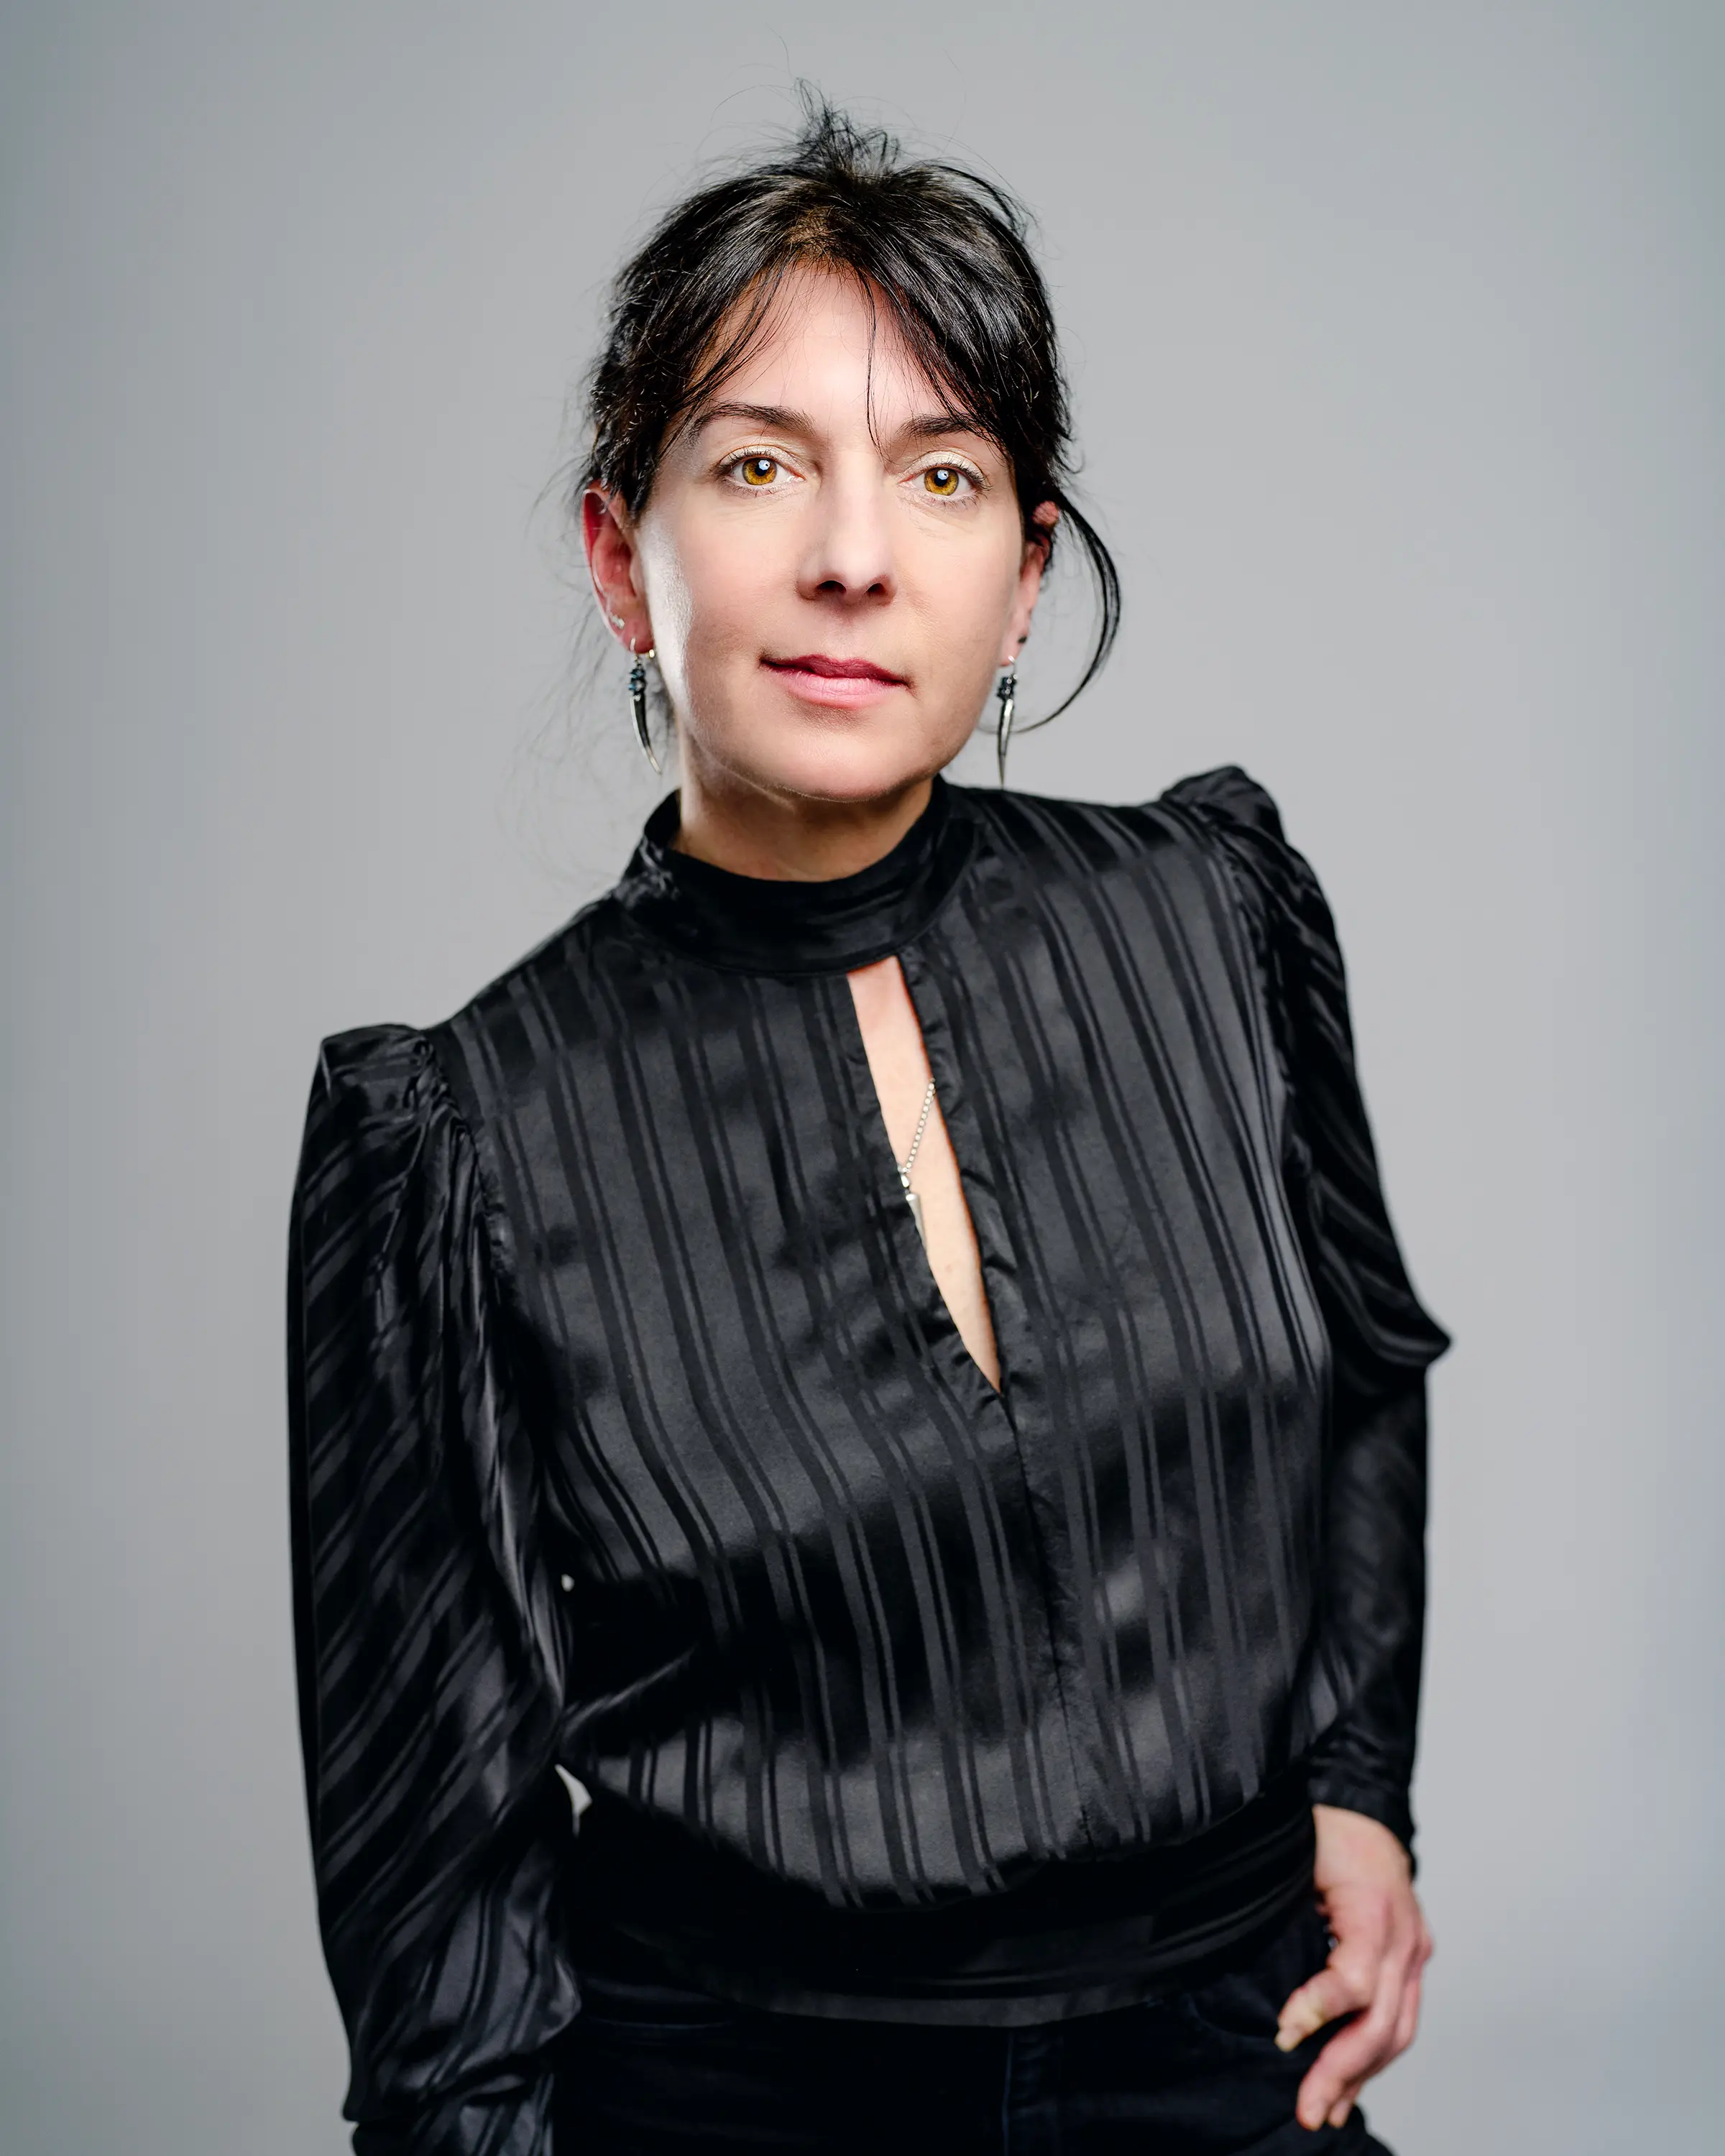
x,y
762,925
925,1287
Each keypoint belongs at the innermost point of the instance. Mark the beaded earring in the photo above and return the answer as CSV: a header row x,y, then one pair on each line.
x,y
637,704
1006,689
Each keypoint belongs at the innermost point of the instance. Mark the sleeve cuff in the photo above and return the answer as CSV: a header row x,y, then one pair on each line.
x,y
1333,1785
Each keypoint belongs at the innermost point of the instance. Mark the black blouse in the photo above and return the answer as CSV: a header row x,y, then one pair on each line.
x,y
631,1437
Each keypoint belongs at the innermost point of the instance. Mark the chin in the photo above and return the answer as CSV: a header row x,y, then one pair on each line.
x,y
828,764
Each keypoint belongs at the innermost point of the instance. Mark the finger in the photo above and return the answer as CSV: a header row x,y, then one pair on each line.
x,y
1332,2082
1349,2060
1407,2025
1336,2074
1320,2101
1366,2046
1397,2004
1343,1985
1406,2011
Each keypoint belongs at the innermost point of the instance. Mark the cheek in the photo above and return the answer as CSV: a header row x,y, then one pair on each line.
x,y
728,597
713,587
969,591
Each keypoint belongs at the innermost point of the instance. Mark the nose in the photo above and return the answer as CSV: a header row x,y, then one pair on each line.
x,y
850,557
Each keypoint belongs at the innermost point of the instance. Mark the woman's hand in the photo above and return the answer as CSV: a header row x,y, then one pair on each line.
x,y
1365,1889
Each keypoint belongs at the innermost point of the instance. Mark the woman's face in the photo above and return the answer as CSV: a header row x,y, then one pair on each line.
x,y
831,562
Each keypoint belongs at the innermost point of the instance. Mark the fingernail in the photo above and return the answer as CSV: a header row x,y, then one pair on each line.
x,y
1286,2041
1338,2116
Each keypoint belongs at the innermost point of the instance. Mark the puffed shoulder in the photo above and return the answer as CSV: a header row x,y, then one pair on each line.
x,y
384,1138
1240,817
1283,902
1283,899
381,1069
375,1093
1381,1330
1227,796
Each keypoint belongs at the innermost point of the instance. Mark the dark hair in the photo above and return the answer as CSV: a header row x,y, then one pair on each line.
x,y
941,248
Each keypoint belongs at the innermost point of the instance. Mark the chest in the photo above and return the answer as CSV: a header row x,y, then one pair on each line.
x,y
737,1336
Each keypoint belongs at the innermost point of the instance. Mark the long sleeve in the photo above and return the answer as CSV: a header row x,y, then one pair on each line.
x,y
1381,1340
427,1635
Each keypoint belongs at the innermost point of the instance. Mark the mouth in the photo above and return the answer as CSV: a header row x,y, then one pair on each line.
x,y
844,683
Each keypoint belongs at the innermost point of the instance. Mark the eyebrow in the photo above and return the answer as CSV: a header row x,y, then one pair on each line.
x,y
926,426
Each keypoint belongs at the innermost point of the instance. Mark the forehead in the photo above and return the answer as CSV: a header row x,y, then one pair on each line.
x,y
828,347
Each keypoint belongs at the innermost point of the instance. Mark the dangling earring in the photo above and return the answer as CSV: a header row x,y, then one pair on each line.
x,y
1006,689
637,704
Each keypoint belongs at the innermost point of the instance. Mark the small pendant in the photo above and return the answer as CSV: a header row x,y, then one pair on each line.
x,y
910,1161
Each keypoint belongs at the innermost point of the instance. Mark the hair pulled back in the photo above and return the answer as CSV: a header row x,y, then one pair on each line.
x,y
942,249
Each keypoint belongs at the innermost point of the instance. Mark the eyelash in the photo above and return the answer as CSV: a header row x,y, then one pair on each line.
x,y
732,469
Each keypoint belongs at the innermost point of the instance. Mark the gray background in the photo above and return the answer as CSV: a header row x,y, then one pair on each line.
x,y
1396,333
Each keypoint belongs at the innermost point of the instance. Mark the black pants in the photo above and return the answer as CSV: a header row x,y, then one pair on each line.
x,y
649,2072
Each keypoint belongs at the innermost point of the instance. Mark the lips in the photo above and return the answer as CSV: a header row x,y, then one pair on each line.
x,y
835,684
835,669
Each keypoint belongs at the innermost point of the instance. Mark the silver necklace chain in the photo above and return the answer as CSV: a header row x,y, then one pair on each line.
x,y
910,1159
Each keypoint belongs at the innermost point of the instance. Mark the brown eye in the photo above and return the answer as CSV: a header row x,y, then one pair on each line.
x,y
943,479
759,471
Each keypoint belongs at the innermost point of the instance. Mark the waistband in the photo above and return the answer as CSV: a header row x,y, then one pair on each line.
x,y
648,1903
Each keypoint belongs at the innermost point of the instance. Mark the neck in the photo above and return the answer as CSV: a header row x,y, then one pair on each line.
x,y
789,838
789,920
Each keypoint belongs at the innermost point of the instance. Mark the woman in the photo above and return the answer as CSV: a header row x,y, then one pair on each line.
x,y
874,1360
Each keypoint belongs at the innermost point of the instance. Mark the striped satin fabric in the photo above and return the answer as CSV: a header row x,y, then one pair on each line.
x,y
630,1436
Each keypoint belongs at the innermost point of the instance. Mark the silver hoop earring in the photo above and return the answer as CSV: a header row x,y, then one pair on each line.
x,y
1007,690
637,704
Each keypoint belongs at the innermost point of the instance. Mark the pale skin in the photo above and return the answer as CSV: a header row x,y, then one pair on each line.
x,y
828,505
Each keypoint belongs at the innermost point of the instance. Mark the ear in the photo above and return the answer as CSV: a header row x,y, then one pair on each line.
x,y
614,563
1034,561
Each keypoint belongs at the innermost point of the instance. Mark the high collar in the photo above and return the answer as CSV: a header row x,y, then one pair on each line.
x,y
765,925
